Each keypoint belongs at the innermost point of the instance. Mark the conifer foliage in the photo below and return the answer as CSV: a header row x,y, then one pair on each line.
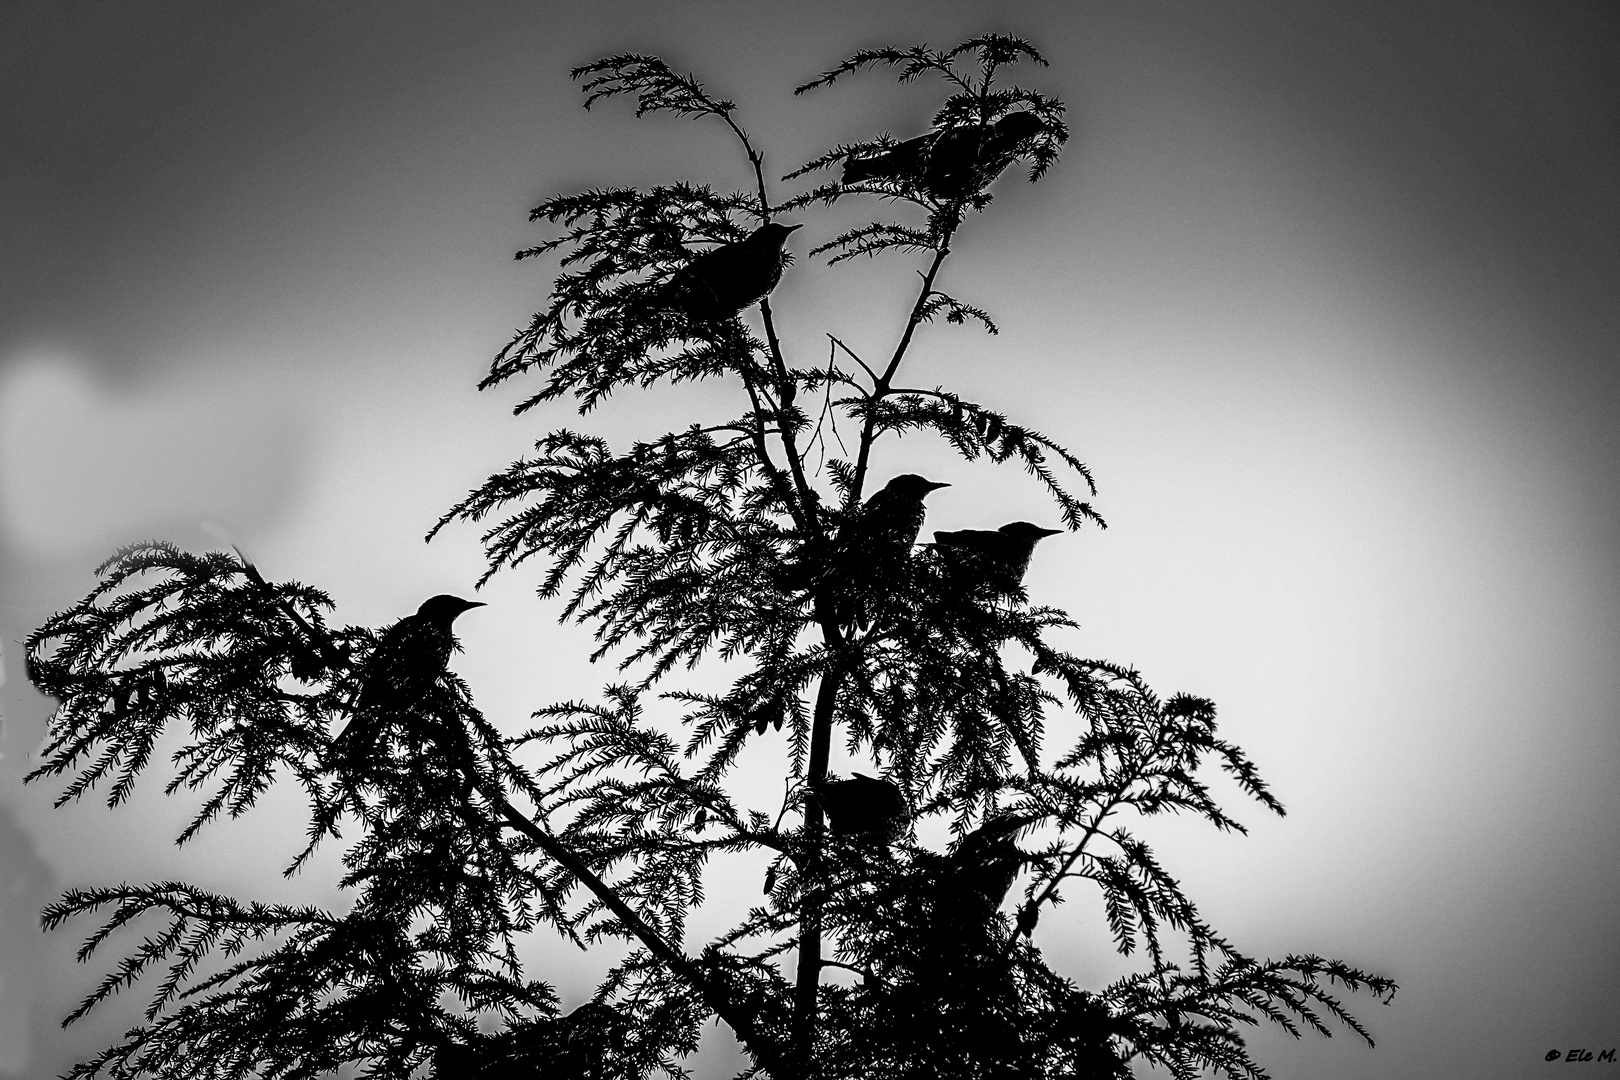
x,y
896,939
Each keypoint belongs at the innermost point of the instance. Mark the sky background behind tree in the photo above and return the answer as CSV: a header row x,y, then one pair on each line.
x,y
1324,294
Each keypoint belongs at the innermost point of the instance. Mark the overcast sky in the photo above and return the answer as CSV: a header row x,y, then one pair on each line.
x,y
1326,295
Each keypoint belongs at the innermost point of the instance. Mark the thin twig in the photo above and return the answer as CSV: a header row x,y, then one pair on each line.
x,y
855,357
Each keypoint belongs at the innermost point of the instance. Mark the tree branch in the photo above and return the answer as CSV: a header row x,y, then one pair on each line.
x,y
721,1002
853,356
881,388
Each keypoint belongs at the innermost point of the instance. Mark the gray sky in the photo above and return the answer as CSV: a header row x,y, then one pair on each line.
x,y
1324,294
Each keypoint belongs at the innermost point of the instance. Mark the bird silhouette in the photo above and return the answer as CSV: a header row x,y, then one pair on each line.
x,y
572,1047
400,675
864,807
982,865
866,558
995,559
722,281
950,163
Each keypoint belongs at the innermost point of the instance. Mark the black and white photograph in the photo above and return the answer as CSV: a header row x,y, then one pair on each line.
x,y
821,541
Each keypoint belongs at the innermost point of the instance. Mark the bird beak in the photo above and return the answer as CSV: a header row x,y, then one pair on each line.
x,y
936,485
790,228
1050,532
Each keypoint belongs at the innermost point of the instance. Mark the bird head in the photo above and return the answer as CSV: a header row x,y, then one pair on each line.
x,y
772,235
912,485
1018,126
1005,824
1023,530
444,608
997,834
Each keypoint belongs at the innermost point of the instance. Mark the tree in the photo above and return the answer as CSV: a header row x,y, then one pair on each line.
x,y
745,546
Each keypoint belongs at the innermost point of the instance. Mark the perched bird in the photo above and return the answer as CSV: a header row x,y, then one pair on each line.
x,y
400,673
867,557
982,866
588,1034
951,163
722,281
996,559
864,807
571,1047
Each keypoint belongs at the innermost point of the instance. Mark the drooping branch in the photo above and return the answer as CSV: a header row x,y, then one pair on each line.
x,y
713,991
